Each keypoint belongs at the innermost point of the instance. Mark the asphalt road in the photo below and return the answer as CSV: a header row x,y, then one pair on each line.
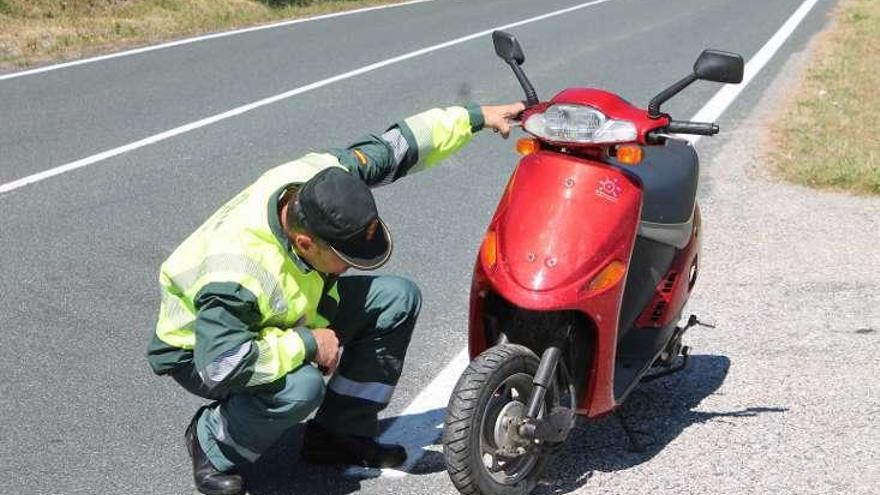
x,y
79,253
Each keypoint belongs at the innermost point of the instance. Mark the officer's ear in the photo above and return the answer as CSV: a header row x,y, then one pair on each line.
x,y
304,243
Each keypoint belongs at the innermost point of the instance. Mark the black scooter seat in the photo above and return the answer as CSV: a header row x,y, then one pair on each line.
x,y
669,176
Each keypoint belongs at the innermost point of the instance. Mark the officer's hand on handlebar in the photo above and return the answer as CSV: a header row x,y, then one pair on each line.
x,y
497,116
327,357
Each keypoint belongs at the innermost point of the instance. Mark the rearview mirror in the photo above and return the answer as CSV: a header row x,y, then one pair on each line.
x,y
718,66
508,48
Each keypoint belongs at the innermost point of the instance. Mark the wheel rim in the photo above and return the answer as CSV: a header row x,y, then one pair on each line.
x,y
506,457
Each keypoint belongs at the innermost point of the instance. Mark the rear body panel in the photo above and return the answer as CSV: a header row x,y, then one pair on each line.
x,y
673,290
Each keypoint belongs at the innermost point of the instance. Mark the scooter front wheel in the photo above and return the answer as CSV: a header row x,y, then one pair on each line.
x,y
485,455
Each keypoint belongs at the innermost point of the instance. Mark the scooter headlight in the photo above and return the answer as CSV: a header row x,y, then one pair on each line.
x,y
579,124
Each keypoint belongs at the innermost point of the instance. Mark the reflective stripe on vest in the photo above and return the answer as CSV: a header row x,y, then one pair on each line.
x,y
176,323
266,369
234,263
439,133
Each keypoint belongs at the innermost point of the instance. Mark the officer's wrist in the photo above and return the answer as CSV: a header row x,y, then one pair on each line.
x,y
478,120
309,342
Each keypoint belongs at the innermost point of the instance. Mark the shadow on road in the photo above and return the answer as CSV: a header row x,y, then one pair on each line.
x,y
658,412
280,471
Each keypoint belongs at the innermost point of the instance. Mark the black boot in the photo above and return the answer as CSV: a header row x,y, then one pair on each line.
x,y
208,479
322,446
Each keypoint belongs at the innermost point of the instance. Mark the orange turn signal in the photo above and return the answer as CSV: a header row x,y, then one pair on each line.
x,y
630,154
527,146
489,249
609,276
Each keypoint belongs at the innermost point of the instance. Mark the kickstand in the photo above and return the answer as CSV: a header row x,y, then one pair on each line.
x,y
685,354
635,445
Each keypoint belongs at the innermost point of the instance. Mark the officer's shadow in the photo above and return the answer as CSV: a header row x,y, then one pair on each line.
x,y
657,412
281,472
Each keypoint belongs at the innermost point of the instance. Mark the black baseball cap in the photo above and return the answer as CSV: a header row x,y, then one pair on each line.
x,y
339,208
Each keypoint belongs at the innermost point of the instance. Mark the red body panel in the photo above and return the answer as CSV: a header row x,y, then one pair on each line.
x,y
561,221
675,287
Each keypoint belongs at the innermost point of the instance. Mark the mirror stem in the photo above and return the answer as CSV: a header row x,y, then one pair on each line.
x,y
531,95
654,105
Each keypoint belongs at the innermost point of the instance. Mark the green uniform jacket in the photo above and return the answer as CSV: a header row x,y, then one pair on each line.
x,y
237,302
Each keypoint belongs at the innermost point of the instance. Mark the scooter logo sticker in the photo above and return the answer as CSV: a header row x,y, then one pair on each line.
x,y
609,189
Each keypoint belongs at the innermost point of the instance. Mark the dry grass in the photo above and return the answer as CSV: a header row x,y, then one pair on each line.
x,y
828,135
35,31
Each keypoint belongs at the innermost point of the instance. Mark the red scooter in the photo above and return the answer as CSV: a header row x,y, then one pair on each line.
x,y
588,262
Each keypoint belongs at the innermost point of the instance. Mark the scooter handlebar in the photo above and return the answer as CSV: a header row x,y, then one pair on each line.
x,y
701,128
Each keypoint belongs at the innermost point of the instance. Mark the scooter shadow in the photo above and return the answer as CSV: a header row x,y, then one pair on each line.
x,y
657,412
281,472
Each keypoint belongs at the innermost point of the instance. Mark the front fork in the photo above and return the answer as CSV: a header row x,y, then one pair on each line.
x,y
554,425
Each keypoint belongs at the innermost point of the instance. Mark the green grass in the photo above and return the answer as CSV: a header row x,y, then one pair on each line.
x,y
828,137
37,31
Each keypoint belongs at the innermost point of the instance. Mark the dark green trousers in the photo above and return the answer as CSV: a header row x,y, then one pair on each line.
x,y
374,320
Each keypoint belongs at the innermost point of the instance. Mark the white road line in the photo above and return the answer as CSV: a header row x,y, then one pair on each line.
x,y
420,423
186,41
725,96
90,160
418,426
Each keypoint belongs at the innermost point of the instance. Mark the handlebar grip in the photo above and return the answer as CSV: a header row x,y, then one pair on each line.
x,y
701,128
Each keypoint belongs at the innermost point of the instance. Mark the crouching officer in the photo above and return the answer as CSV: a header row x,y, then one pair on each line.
x,y
252,297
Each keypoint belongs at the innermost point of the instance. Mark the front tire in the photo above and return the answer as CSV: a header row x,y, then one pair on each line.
x,y
484,454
